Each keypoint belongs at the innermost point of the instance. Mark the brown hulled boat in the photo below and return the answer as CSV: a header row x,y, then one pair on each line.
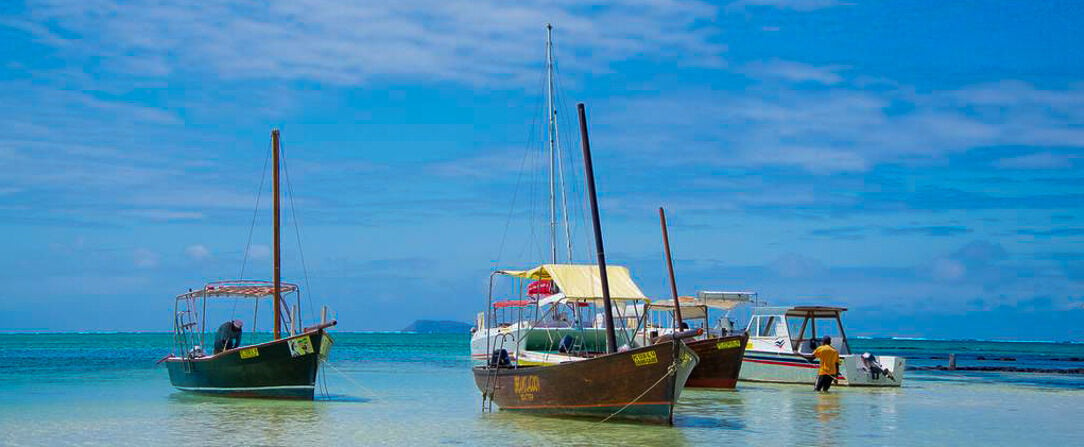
x,y
631,383
720,355
720,361
642,383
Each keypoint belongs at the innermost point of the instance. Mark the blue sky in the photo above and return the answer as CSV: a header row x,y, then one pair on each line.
x,y
918,162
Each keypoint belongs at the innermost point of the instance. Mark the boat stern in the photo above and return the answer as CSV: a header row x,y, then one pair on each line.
x,y
885,371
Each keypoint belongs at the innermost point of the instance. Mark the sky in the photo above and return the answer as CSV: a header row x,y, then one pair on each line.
x,y
919,162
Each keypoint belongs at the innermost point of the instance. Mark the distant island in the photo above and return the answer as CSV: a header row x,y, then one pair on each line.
x,y
438,327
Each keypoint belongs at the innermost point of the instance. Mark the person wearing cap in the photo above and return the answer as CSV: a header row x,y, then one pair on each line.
x,y
228,336
829,368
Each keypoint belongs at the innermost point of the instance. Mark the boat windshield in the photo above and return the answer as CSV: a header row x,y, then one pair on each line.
x,y
806,333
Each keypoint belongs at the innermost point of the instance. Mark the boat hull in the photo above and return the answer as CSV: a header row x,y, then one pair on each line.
x,y
777,367
284,369
636,384
720,362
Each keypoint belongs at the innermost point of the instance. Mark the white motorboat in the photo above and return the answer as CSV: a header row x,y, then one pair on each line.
x,y
782,340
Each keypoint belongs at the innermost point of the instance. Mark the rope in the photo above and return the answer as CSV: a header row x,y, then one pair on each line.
x,y
252,227
355,382
669,370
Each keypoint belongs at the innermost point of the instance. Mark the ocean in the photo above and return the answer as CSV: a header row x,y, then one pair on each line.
x,y
416,389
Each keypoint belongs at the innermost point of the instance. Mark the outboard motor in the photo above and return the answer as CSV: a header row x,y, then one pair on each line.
x,y
500,358
566,344
875,367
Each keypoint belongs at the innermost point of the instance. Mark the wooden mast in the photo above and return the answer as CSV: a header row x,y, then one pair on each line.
x,y
670,267
278,259
611,336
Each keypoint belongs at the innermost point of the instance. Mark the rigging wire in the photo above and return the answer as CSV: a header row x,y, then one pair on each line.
x,y
252,227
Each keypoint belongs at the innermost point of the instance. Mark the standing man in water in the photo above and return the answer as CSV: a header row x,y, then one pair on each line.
x,y
228,336
829,358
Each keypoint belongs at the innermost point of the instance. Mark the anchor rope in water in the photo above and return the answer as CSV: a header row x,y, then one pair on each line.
x,y
351,379
669,370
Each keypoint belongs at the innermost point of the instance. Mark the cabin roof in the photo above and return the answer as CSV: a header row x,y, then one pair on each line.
x,y
800,311
238,289
581,282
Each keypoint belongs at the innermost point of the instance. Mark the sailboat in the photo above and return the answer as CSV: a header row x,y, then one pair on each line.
x,y
640,383
284,367
720,355
721,352
526,325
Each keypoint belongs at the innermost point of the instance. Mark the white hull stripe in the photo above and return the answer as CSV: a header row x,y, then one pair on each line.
x,y
250,388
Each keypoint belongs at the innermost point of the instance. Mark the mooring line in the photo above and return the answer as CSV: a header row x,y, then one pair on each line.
x,y
363,388
669,370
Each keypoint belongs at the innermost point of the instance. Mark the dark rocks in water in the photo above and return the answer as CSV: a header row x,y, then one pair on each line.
x,y
999,359
438,327
999,369
1067,359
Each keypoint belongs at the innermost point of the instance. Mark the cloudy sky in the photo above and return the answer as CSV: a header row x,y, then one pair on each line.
x,y
919,162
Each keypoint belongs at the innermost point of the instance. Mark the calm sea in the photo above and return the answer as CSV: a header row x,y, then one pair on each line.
x,y
409,389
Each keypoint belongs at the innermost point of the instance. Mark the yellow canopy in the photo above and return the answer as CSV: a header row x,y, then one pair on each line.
x,y
582,282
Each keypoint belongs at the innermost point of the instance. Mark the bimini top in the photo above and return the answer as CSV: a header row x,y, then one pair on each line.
x,y
800,311
690,307
582,282
238,289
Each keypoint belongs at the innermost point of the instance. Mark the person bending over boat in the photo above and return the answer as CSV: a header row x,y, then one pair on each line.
x,y
829,358
228,336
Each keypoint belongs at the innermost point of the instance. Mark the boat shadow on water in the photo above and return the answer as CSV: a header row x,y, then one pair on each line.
x,y
190,398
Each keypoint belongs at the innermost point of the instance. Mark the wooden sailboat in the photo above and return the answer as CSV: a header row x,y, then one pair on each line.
x,y
284,367
641,383
720,356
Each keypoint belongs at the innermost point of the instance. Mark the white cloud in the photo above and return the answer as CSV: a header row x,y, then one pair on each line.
x,y
472,41
1040,160
259,252
791,71
489,164
946,269
144,258
164,215
795,5
841,129
197,252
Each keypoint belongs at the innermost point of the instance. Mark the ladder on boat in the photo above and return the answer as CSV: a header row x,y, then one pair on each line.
x,y
491,375
186,322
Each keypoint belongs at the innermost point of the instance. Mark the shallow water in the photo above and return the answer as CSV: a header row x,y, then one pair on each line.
x,y
393,389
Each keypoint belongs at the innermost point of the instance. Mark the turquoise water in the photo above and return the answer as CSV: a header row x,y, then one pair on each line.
x,y
397,389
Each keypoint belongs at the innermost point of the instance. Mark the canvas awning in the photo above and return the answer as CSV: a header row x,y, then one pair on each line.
x,y
690,308
239,289
582,282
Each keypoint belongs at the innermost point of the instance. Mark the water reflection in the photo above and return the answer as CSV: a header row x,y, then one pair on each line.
x,y
539,430
225,420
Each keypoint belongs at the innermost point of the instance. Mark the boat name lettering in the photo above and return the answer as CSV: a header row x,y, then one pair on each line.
x,y
729,344
250,353
526,386
645,358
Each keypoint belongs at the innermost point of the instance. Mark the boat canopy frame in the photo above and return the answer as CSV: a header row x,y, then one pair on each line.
x,y
807,314
190,310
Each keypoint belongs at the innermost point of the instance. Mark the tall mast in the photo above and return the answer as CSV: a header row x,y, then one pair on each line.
x,y
611,336
278,259
670,268
551,132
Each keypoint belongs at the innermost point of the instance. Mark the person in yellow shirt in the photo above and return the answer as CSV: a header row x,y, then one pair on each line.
x,y
829,358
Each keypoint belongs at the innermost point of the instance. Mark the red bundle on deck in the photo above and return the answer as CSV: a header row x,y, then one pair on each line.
x,y
541,287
